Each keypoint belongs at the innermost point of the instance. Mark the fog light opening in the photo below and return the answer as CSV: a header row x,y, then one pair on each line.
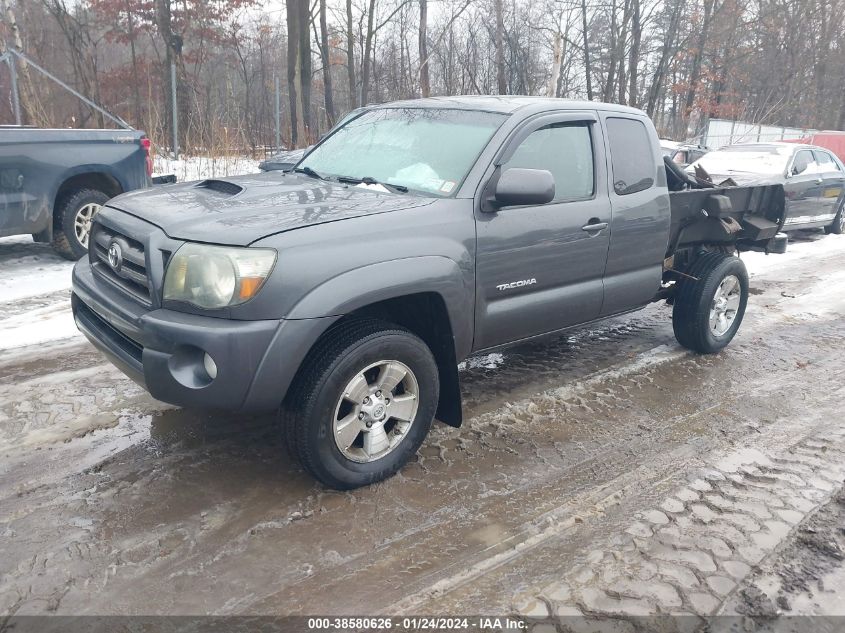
x,y
210,366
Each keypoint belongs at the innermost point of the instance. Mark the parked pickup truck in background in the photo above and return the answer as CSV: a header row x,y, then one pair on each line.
x,y
53,182
417,233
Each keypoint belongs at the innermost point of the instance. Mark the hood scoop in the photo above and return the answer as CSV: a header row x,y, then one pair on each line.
x,y
221,186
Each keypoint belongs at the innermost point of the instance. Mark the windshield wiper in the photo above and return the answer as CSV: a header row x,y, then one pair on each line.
x,y
369,180
309,172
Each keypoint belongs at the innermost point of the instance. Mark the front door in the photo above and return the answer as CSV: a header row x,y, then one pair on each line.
x,y
539,268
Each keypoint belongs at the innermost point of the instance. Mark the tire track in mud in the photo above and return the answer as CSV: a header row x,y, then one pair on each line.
x,y
689,554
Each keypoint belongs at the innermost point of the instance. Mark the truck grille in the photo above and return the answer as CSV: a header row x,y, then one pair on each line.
x,y
131,274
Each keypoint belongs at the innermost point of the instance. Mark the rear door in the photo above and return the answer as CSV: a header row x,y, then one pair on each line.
x,y
833,185
639,231
803,186
539,268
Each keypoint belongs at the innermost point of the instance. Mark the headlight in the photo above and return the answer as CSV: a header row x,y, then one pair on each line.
x,y
216,276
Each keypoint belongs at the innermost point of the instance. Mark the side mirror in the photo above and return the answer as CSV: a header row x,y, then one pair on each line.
x,y
519,186
797,169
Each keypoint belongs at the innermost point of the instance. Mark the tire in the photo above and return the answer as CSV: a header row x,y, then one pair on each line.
x,y
327,390
69,238
695,303
838,225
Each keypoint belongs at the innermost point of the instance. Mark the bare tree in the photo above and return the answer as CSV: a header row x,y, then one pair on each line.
x,y
501,81
325,53
425,79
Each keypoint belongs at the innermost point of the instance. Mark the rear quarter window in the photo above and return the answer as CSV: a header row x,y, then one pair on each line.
x,y
631,155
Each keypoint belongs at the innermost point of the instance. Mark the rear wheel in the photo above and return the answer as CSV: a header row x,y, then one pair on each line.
x,y
362,404
710,303
75,214
838,226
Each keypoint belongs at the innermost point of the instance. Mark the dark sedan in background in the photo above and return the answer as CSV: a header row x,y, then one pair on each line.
x,y
812,177
681,153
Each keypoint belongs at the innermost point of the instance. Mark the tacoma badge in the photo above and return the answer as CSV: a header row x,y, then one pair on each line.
x,y
517,284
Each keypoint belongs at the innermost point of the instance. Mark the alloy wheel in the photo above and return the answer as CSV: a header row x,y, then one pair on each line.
x,y
375,411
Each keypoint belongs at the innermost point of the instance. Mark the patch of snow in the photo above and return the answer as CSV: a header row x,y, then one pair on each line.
x,y
799,248
51,323
33,273
488,361
201,167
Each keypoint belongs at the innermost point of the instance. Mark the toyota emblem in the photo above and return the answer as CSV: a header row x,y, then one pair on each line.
x,y
115,256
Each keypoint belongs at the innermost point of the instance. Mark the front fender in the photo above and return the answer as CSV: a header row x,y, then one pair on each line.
x,y
367,285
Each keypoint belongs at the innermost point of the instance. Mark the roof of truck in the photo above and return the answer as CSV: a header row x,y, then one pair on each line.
x,y
506,104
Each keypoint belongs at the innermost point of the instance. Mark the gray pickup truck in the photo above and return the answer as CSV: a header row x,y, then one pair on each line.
x,y
53,182
417,233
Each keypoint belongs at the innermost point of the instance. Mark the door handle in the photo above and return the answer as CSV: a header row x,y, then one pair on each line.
x,y
819,181
594,225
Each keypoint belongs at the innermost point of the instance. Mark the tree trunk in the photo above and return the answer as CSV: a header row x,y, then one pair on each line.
x,y
26,93
620,53
365,64
350,56
841,124
551,89
501,82
425,80
327,66
305,68
292,13
607,91
588,70
634,55
136,89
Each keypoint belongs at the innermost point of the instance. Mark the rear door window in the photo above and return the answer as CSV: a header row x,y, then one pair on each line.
x,y
631,155
825,161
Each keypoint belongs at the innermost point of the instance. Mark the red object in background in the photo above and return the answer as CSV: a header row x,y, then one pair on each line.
x,y
146,144
829,139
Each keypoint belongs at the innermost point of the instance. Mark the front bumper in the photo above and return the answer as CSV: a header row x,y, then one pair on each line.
x,y
163,350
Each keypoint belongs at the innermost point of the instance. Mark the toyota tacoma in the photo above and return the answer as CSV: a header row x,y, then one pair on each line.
x,y
417,233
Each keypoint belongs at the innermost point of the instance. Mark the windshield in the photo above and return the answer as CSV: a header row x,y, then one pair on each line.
x,y
751,159
427,150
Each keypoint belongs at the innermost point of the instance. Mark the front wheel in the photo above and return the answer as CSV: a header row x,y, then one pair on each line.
x,y
710,302
362,403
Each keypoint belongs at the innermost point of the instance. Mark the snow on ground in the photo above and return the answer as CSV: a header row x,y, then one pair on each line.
x,y
31,274
38,278
50,323
201,167
799,248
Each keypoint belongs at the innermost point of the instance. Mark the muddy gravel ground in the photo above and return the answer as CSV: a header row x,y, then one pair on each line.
x,y
604,473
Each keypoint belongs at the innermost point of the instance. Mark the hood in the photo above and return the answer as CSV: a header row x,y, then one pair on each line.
x,y
743,179
240,210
